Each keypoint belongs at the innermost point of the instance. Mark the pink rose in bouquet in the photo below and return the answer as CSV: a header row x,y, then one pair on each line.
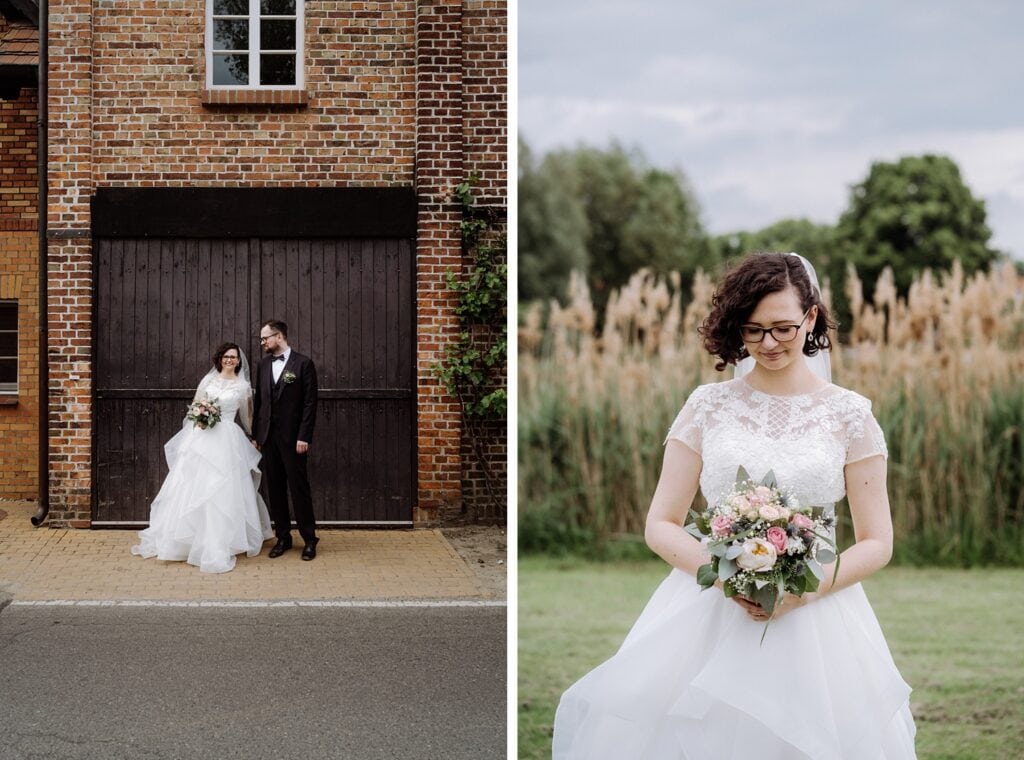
x,y
721,526
777,537
802,521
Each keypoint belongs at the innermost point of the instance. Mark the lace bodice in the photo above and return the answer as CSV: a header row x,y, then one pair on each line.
x,y
806,439
233,396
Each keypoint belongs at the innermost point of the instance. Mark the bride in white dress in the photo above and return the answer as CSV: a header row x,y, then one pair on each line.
x,y
209,508
692,680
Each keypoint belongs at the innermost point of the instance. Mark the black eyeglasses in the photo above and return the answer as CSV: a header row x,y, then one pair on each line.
x,y
781,333
265,338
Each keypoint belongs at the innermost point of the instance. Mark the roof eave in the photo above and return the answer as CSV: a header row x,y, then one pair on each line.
x,y
21,10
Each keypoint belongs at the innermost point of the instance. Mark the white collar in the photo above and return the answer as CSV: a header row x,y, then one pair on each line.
x,y
287,354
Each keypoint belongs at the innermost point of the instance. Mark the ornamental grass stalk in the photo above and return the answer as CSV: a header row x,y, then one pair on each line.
x,y
941,366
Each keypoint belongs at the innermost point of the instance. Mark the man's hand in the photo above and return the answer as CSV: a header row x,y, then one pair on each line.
x,y
301,447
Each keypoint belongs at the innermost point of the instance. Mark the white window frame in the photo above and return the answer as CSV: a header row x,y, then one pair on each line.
x,y
11,389
254,48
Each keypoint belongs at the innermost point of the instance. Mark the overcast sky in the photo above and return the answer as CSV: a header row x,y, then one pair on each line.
x,y
773,109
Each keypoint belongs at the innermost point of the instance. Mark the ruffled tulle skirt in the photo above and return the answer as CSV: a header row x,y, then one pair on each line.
x,y
208,508
692,682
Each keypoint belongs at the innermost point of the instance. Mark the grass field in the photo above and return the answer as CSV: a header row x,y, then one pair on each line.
x,y
956,635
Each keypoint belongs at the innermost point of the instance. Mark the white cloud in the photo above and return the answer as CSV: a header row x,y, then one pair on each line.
x,y
775,186
774,110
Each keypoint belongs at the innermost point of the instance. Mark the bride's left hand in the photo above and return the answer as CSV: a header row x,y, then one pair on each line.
x,y
791,602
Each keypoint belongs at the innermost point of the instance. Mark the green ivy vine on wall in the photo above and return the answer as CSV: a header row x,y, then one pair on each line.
x,y
473,369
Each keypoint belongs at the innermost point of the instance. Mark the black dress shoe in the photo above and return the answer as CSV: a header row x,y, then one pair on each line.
x,y
309,551
280,548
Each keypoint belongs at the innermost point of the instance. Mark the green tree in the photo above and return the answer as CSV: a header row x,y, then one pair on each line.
x,y
816,242
621,212
552,230
912,215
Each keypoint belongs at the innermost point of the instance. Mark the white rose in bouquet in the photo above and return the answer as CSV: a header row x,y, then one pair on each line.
x,y
758,555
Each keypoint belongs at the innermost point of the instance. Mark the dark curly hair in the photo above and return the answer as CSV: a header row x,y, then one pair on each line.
x,y
219,354
739,293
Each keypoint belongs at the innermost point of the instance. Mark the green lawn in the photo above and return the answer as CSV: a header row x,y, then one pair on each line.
x,y
957,637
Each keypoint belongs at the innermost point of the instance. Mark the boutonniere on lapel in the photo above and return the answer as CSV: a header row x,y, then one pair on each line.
x,y
287,377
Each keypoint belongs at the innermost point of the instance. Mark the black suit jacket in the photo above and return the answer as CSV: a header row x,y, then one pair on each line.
x,y
291,406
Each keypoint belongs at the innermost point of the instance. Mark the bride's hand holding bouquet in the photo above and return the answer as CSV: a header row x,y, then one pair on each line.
x,y
204,413
766,549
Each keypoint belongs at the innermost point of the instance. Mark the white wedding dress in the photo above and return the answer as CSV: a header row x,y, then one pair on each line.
x,y
691,680
208,508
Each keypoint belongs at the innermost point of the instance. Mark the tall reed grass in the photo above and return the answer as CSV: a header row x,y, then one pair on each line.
x,y
944,367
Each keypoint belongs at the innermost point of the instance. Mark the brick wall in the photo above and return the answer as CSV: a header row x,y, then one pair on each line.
x,y
69,252
485,137
19,184
480,503
19,280
19,422
485,97
398,93
439,168
151,127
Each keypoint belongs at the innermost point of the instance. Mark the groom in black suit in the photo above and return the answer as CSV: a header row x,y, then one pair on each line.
x,y
284,413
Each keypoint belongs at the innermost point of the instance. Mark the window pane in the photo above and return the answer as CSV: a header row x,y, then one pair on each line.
x,y
8,344
8,315
277,69
230,35
277,7
231,69
277,35
8,370
230,7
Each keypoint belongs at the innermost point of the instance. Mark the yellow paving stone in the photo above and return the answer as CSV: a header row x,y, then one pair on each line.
x,y
39,564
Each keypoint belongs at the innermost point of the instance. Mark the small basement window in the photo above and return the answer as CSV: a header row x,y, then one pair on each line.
x,y
254,44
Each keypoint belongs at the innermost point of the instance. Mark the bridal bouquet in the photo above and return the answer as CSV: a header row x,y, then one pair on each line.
x,y
763,543
205,413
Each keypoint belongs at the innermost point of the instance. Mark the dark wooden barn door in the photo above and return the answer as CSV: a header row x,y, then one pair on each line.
x,y
164,305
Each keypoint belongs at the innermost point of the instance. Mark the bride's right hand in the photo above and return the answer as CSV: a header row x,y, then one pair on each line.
x,y
752,608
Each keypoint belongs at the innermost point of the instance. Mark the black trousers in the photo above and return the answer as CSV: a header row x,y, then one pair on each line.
x,y
285,472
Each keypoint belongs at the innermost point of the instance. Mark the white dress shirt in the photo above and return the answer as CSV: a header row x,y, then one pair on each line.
x,y
277,366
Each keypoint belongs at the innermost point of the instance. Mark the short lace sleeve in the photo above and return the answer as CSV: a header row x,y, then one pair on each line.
x,y
204,384
688,427
865,436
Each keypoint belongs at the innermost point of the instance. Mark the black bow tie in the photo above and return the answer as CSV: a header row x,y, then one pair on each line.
x,y
279,358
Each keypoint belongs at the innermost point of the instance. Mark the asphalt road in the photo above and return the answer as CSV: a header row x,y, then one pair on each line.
x,y
161,683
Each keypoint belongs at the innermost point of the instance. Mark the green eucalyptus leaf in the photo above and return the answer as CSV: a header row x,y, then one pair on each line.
x,y
717,549
693,530
825,555
798,584
706,576
734,551
769,479
766,597
742,476
727,568
816,570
